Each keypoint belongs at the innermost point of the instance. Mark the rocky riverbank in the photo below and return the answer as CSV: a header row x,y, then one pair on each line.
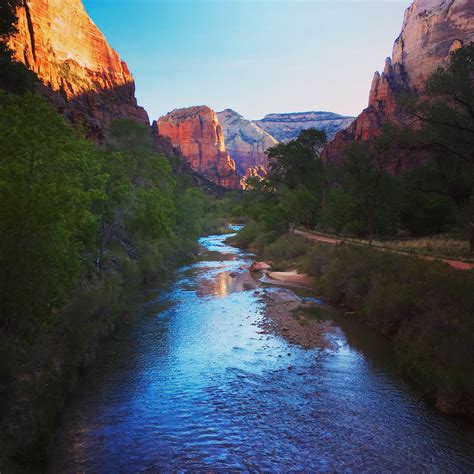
x,y
283,316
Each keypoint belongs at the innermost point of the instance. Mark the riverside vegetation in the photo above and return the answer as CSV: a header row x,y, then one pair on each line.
x,y
422,306
82,229
360,197
425,307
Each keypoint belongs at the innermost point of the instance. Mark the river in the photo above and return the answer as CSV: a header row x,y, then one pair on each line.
x,y
194,385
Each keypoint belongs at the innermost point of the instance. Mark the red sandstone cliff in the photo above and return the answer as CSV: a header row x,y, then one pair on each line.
x,y
256,171
431,30
85,78
198,135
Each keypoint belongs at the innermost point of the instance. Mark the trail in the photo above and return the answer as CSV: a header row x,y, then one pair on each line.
x,y
456,264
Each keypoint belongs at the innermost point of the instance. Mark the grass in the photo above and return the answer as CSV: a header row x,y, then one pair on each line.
x,y
305,313
440,246
444,246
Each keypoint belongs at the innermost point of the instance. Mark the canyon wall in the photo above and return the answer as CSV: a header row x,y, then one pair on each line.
x,y
431,30
246,142
196,132
286,127
81,74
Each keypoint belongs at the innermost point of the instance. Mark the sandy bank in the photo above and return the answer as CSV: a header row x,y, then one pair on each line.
x,y
292,277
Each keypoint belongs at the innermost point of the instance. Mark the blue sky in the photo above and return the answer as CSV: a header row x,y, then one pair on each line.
x,y
255,56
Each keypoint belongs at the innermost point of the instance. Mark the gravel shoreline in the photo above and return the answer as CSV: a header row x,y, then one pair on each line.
x,y
281,317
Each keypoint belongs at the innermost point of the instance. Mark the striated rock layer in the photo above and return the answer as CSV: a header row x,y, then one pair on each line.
x,y
246,142
196,132
286,127
84,77
431,30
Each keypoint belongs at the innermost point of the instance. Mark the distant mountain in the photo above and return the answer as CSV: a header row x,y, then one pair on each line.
x,y
196,132
245,140
286,127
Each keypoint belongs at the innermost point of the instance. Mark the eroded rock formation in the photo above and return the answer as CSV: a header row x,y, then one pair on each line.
x,y
257,171
196,132
84,77
286,127
246,142
431,30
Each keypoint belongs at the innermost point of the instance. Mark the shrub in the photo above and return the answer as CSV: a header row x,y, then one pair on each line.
x,y
246,235
287,247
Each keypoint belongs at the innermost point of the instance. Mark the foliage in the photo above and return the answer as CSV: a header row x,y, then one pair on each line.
x,y
138,188
292,192
446,134
362,197
82,228
366,202
47,179
424,307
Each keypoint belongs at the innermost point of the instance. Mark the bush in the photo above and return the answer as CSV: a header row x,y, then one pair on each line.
x,y
246,236
287,247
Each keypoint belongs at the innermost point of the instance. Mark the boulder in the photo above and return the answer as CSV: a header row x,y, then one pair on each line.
x,y
259,266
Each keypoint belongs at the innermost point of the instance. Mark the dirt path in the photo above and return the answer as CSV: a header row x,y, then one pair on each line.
x,y
457,264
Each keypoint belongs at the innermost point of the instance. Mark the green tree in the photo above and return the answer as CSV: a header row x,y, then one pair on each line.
x,y
445,115
139,188
295,186
315,140
47,178
371,197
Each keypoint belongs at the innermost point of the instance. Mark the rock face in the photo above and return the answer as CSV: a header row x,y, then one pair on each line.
x,y
286,127
84,77
245,141
431,30
198,135
257,171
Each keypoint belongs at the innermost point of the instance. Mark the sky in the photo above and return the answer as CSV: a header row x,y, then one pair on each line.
x,y
254,56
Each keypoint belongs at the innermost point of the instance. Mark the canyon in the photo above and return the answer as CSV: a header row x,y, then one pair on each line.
x,y
432,29
86,80
248,140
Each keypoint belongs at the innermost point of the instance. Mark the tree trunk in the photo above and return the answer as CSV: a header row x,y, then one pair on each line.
x,y
371,229
472,238
325,189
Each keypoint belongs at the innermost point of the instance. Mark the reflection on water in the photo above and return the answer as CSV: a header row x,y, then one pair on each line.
x,y
196,386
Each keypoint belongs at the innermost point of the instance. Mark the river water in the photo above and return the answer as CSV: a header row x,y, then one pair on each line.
x,y
194,385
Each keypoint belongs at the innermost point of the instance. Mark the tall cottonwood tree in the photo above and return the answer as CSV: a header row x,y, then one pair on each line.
x,y
445,115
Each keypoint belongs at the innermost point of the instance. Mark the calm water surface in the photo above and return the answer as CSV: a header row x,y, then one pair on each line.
x,y
193,385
